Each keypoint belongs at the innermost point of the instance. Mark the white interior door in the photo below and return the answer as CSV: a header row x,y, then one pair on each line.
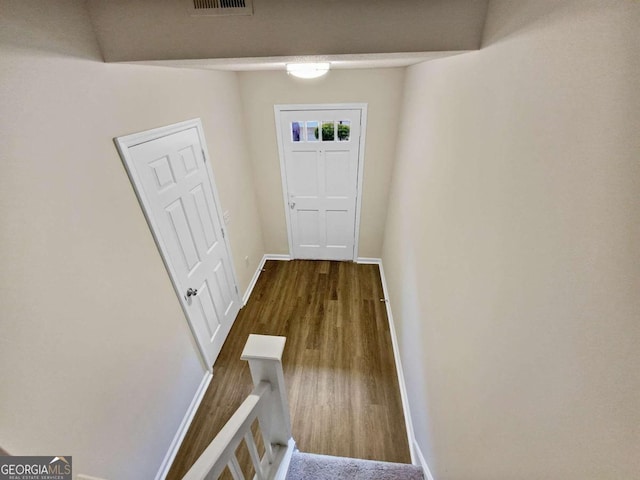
x,y
174,183
320,150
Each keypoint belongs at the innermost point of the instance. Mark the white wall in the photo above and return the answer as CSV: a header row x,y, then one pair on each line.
x,y
512,246
96,358
380,88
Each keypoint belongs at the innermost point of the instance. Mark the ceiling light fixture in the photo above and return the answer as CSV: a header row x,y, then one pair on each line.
x,y
308,70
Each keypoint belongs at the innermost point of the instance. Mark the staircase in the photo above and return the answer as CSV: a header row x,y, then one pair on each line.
x,y
305,466
269,406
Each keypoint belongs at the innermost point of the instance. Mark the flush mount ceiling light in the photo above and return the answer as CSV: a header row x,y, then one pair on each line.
x,y
308,70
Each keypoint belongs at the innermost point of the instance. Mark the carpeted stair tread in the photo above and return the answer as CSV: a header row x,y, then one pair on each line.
x,y
308,466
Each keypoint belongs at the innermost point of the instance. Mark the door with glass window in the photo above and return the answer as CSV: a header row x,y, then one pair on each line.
x,y
320,152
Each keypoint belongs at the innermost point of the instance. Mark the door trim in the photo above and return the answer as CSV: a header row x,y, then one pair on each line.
x,y
123,144
277,109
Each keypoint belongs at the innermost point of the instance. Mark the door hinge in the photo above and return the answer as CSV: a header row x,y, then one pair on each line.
x,y
204,157
237,290
222,230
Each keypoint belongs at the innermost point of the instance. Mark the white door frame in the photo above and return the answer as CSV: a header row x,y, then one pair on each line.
x,y
123,144
285,189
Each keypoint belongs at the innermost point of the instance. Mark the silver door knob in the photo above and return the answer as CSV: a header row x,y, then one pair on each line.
x,y
192,292
292,205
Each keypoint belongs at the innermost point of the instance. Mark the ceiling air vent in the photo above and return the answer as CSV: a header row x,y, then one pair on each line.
x,y
220,7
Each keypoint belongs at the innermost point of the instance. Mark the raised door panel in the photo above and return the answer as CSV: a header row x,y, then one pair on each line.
x,y
224,288
308,227
339,181
206,309
186,257
302,172
206,219
338,228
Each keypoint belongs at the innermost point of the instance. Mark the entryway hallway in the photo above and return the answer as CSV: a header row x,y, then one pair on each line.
x,y
338,363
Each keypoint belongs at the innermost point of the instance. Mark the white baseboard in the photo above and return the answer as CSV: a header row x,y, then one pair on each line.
x,y
403,387
277,256
184,427
422,462
369,261
256,275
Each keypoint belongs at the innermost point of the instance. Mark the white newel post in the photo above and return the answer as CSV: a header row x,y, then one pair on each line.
x,y
264,354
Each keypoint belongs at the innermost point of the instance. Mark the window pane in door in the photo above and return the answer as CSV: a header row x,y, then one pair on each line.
x,y
296,128
312,131
344,130
328,131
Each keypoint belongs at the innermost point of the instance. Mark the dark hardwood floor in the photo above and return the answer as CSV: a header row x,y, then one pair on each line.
x,y
338,363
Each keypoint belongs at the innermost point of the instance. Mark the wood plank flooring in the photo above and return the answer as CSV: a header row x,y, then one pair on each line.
x,y
338,363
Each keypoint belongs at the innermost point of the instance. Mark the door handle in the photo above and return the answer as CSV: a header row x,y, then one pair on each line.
x,y
292,205
192,292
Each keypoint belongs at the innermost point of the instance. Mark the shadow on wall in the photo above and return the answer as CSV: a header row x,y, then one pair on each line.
x,y
412,339
27,27
522,18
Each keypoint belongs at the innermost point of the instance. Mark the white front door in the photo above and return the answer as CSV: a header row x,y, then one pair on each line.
x,y
174,184
320,150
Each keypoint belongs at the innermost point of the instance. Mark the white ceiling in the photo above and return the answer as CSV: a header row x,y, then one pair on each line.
x,y
348,33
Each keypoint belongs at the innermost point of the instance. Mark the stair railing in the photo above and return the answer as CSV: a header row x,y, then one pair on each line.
x,y
269,405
